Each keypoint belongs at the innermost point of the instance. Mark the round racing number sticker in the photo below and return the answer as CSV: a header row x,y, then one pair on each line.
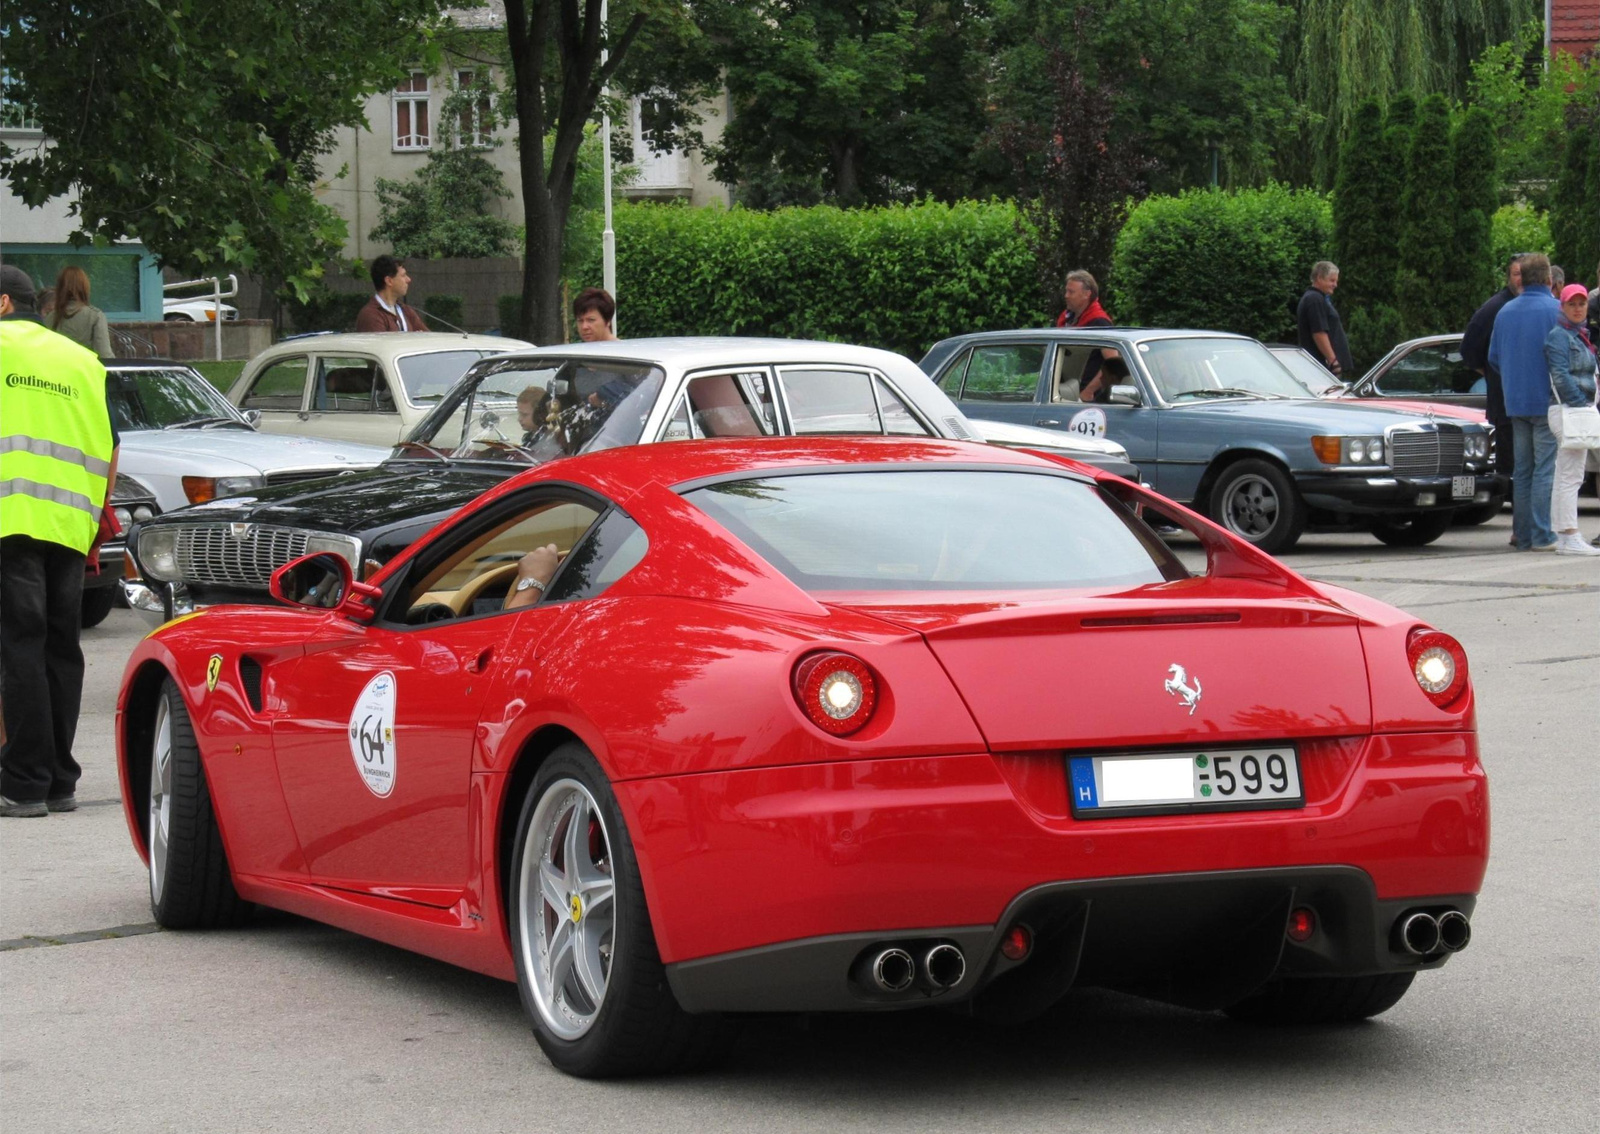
x,y
1089,422
372,734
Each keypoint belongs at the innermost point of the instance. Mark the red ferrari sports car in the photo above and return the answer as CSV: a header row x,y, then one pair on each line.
x,y
818,725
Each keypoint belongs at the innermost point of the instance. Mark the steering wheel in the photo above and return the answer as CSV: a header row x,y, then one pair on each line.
x,y
462,601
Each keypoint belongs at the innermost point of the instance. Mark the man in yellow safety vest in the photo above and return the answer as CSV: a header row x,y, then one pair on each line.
x,y
58,460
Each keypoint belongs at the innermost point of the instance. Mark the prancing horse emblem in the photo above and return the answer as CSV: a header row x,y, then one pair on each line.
x,y
1178,685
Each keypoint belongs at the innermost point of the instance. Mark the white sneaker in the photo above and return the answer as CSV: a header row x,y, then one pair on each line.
x,y
1571,543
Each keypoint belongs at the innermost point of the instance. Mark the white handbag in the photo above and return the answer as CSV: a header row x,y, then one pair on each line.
x,y
1576,427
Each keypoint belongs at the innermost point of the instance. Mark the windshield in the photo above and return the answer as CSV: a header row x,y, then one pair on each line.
x,y
427,378
1194,369
938,530
529,410
167,398
1307,371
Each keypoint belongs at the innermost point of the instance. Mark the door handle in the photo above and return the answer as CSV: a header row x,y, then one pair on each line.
x,y
1046,421
479,663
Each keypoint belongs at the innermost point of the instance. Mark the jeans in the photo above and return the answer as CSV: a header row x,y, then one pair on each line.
x,y
41,667
1535,473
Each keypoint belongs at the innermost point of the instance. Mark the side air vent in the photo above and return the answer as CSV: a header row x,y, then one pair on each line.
x,y
958,429
250,679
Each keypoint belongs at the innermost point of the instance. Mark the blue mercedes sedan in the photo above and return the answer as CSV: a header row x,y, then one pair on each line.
x,y
1215,421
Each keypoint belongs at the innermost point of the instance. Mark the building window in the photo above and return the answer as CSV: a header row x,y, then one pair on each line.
x,y
658,169
410,111
476,125
16,112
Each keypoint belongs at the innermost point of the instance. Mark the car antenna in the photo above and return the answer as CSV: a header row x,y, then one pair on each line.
x,y
439,319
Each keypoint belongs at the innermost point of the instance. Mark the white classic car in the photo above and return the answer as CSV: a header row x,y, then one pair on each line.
x,y
371,388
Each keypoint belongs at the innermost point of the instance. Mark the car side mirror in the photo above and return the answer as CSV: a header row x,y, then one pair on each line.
x,y
253,416
324,581
1126,396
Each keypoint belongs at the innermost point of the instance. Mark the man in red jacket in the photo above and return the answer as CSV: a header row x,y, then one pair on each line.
x,y
387,309
1083,310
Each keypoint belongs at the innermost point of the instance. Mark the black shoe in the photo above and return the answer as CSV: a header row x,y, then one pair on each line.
x,y
31,809
67,802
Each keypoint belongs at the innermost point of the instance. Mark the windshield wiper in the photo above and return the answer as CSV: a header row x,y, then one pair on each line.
x,y
1227,392
417,451
203,423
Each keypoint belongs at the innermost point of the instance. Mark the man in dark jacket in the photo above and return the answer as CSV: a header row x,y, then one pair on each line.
x,y
1475,353
1321,331
387,309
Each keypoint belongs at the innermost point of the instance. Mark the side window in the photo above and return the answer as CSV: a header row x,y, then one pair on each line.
x,y
732,405
679,428
897,416
476,576
612,548
1428,371
950,380
281,386
1068,372
350,385
1005,373
831,401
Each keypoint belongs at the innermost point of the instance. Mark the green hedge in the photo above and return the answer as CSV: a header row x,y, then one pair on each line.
x,y
900,277
510,310
447,307
1228,261
326,311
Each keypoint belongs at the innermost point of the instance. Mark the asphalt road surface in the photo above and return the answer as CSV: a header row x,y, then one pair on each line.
x,y
108,1024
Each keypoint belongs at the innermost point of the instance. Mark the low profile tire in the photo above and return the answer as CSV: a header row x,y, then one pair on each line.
x,y
97,604
191,886
1412,530
588,970
1323,1000
1256,501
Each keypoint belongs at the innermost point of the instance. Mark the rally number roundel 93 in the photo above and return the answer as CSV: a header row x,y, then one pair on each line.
x,y
372,734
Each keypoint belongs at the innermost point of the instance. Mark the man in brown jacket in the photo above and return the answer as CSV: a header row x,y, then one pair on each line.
x,y
387,309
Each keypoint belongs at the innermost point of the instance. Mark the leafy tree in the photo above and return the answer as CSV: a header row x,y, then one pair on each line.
x,y
191,126
1077,183
556,82
1364,213
1426,231
851,101
1468,275
1343,52
444,210
1575,204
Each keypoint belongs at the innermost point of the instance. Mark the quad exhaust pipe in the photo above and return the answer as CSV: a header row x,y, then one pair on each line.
x,y
939,967
1421,934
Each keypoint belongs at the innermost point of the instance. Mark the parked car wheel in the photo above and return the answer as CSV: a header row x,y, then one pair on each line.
x,y
97,604
1256,500
191,885
1323,1000
1412,530
176,317
588,969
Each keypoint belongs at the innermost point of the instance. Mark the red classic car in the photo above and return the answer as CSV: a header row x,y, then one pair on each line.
x,y
822,724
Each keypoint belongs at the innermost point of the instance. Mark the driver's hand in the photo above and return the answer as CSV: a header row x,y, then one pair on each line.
x,y
539,564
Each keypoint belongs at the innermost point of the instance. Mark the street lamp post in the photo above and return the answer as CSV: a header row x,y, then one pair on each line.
x,y
608,237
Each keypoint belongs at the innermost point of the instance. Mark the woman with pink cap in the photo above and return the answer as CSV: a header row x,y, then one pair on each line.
x,y
1570,355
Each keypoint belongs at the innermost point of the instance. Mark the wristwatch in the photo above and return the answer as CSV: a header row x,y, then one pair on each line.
x,y
528,583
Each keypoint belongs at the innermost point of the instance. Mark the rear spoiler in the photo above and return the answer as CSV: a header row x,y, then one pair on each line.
x,y
1227,556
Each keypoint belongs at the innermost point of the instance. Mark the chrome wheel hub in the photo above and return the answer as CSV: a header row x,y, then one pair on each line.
x,y
566,898
160,824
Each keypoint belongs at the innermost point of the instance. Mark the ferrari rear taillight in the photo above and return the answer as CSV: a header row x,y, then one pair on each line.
x,y
1439,664
836,692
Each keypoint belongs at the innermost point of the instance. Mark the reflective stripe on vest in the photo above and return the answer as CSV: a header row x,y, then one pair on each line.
x,y
55,456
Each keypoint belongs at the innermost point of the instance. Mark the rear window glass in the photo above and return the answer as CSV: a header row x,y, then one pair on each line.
x,y
938,530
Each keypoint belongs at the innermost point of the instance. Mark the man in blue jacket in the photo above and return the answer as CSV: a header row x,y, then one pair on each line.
x,y
1516,350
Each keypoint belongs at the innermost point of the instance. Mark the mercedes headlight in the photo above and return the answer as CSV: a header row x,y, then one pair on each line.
x,y
156,549
127,488
346,547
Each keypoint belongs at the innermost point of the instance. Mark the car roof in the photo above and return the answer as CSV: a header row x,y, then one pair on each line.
x,y
1124,334
693,352
146,363
390,344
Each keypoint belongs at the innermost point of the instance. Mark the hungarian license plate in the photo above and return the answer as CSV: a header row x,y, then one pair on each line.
x,y
1228,779
1463,487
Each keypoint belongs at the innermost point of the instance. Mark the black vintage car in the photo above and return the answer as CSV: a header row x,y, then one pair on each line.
x,y
511,412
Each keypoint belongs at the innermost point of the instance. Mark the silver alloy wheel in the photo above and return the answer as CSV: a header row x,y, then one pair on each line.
x,y
1251,507
160,800
566,898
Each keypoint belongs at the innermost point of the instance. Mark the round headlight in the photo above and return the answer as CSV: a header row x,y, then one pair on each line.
x,y
124,518
1358,452
1375,450
143,512
157,553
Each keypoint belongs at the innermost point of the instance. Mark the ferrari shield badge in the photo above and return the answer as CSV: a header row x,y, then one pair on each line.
x,y
213,671
1177,684
372,734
